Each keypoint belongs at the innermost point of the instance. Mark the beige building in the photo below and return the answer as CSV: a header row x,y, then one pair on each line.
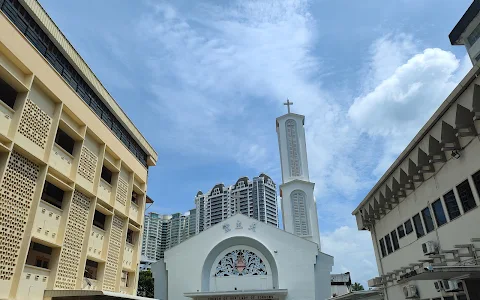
x,y
73,169
423,213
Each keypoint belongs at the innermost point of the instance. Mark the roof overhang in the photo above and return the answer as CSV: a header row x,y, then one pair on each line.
x,y
227,295
466,19
424,131
149,200
86,295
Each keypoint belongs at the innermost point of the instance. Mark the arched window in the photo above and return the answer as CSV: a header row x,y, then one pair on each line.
x,y
293,148
239,263
299,213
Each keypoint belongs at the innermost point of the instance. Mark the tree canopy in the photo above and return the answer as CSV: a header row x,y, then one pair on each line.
x,y
145,284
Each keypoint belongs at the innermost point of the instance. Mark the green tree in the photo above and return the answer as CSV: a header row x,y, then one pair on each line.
x,y
357,287
145,284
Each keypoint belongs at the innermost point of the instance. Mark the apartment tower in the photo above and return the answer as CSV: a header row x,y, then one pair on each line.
x,y
162,232
255,198
73,168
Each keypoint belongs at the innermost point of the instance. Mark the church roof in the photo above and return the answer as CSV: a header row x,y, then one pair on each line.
x,y
290,115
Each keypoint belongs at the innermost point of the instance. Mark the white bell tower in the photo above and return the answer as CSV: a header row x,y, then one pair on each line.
x,y
299,208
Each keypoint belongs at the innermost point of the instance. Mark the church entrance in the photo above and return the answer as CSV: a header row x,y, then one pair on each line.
x,y
239,295
244,297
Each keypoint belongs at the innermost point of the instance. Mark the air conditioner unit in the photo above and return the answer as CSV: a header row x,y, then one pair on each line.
x,y
438,285
410,291
429,248
452,285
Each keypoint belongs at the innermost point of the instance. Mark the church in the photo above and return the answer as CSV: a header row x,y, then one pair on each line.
x,y
242,258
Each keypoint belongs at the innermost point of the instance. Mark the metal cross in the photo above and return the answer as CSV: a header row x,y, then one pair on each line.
x,y
288,103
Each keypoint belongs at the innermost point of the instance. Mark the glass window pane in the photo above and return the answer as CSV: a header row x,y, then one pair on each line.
x,y
439,212
427,219
466,196
476,180
452,205
473,37
408,227
417,222
388,243
382,248
395,240
401,231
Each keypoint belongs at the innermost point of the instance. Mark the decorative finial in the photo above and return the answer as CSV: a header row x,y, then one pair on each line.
x,y
288,103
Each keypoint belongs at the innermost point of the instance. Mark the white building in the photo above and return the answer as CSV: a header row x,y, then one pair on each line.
x,y
340,284
257,197
241,256
423,212
467,31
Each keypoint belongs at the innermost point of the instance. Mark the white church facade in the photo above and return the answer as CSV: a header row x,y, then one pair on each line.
x,y
242,258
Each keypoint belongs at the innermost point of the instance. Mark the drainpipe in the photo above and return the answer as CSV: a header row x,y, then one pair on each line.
x,y
379,260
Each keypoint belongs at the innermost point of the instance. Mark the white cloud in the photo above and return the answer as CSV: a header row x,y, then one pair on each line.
x,y
409,90
353,253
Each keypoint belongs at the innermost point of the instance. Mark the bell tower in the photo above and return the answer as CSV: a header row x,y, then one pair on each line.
x,y
299,208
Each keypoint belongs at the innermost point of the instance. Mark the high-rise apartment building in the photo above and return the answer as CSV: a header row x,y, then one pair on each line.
x,y
155,230
73,168
255,198
162,232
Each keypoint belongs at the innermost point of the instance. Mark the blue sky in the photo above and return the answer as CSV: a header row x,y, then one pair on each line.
x,y
205,80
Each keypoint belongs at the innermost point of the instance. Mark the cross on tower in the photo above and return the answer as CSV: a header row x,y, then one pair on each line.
x,y
288,103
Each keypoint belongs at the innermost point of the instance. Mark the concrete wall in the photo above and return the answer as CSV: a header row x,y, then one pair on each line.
x,y
160,276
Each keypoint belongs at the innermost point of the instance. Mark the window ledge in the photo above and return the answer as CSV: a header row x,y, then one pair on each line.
x,y
8,108
51,206
64,151
37,268
104,181
98,228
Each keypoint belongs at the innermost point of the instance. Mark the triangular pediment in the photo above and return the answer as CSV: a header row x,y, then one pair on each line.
x,y
240,225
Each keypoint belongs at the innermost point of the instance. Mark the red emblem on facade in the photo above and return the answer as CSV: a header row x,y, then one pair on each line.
x,y
240,263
